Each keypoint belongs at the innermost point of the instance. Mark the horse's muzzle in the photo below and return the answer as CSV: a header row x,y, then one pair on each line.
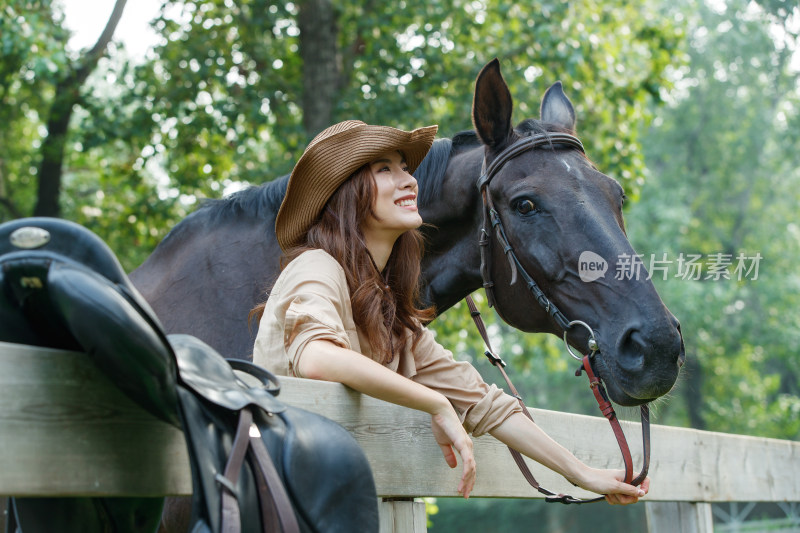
x,y
634,385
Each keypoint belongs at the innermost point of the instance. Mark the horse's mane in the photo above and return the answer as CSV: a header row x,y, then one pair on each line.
x,y
430,172
263,201
259,201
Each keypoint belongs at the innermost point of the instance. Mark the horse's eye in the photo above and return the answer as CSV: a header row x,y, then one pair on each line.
x,y
525,207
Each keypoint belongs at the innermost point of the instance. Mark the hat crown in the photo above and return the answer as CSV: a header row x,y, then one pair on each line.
x,y
336,129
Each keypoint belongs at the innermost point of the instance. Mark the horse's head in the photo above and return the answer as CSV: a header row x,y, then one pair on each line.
x,y
563,219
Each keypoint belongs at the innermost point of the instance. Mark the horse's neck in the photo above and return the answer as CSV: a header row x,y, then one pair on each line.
x,y
451,266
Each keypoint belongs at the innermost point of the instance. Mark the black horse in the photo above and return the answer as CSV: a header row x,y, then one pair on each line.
x,y
215,266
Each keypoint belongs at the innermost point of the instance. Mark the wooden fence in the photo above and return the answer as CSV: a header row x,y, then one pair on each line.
x,y
65,430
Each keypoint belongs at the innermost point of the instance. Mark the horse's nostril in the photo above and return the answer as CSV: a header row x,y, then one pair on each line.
x,y
632,349
638,349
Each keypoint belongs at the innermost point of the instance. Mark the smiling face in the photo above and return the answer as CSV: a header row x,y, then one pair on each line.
x,y
395,203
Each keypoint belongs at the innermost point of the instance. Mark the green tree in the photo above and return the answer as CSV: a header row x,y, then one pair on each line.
x,y
235,90
724,180
229,82
35,59
32,52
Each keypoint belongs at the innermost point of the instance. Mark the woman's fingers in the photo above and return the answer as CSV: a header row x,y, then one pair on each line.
x,y
626,494
450,435
469,474
470,471
620,499
449,455
610,483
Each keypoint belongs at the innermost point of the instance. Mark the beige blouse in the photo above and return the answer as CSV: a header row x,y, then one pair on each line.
x,y
311,301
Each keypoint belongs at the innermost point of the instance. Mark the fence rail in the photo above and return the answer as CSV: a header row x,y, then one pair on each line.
x,y
65,430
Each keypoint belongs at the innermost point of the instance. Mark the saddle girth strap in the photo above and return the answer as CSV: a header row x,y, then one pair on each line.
x,y
270,487
231,516
268,482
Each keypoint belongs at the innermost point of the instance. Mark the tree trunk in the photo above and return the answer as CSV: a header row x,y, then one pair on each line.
x,y
321,71
47,196
67,95
5,196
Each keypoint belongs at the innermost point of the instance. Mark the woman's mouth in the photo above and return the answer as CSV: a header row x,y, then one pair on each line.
x,y
406,202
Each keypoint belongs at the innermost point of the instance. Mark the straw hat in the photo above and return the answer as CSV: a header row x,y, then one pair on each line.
x,y
330,159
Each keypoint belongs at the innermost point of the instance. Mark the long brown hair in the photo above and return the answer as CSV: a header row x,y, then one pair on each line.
x,y
385,305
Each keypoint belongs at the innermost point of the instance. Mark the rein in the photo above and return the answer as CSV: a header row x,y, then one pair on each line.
x,y
491,220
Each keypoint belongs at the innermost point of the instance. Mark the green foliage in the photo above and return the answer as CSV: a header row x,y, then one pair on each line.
x,y
724,163
722,178
218,104
33,55
612,58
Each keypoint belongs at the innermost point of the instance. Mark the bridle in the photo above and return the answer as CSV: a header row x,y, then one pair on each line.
x,y
492,221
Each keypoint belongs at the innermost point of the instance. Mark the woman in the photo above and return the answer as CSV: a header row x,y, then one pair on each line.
x,y
345,305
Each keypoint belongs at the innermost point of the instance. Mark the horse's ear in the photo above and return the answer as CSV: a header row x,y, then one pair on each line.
x,y
491,107
557,109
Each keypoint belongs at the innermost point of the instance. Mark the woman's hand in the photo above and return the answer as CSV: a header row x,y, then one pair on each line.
x,y
324,360
521,433
449,434
610,483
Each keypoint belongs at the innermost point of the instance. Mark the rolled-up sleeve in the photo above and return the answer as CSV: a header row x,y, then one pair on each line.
x,y
481,407
310,304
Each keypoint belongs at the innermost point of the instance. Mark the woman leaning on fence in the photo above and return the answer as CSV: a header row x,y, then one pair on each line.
x,y
345,307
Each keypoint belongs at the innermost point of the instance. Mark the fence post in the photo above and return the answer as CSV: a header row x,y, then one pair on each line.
x,y
402,515
679,517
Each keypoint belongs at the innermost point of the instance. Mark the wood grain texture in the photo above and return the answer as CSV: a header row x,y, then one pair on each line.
x,y
679,517
65,430
406,516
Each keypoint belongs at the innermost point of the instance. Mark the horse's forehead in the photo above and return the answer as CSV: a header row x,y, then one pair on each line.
x,y
550,170
567,166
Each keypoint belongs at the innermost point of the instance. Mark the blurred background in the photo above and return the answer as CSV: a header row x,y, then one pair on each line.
x,y
124,116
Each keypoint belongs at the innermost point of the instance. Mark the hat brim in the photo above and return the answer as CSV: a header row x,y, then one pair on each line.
x,y
325,165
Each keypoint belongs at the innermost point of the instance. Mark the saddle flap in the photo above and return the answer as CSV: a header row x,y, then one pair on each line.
x,y
117,337
208,374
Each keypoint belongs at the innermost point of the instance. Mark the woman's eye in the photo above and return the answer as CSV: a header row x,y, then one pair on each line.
x,y
525,207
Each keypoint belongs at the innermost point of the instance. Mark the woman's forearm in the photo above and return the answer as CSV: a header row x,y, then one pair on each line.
x,y
521,434
326,361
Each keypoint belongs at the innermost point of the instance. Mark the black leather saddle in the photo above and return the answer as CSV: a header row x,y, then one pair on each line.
x,y
257,464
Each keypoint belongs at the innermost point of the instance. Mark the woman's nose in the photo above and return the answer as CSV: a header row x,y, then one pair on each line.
x,y
407,181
